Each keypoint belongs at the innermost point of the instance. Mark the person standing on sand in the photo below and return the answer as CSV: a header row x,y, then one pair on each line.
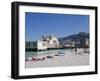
x,y
75,50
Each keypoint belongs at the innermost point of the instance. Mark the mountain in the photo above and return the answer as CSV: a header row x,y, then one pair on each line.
x,y
77,38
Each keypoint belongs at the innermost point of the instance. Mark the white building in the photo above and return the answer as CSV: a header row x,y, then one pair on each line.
x,y
46,42
41,45
36,45
52,41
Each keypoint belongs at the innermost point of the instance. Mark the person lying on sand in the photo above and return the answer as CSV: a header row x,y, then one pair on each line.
x,y
37,59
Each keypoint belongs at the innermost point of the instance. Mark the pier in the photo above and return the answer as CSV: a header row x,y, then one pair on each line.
x,y
32,49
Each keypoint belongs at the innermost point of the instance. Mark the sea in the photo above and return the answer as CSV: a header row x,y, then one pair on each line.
x,y
44,53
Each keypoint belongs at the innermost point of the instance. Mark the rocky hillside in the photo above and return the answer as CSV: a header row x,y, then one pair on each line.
x,y
80,37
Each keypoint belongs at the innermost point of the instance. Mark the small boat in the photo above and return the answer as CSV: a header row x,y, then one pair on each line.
x,y
28,59
61,52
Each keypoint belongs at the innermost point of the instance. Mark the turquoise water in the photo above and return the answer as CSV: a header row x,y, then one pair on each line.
x,y
48,52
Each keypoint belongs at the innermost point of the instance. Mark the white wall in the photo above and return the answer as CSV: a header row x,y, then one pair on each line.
x,y
40,45
5,40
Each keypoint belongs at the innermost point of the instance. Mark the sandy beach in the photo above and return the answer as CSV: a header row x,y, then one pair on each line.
x,y
70,58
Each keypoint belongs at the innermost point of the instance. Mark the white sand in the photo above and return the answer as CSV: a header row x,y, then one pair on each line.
x,y
69,59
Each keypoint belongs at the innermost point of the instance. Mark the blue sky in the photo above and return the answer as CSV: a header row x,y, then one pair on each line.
x,y
39,24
